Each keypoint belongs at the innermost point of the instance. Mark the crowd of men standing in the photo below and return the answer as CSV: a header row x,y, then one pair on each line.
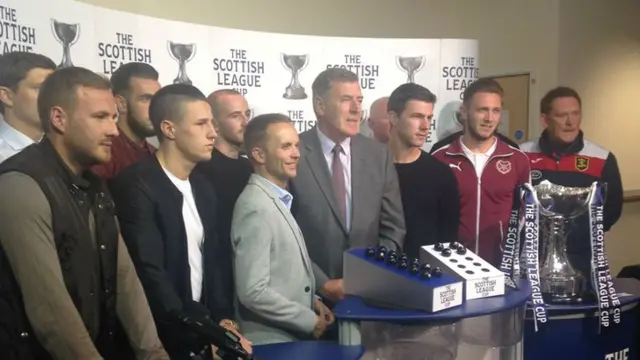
x,y
107,243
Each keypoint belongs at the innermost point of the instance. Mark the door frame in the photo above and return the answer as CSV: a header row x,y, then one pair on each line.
x,y
533,123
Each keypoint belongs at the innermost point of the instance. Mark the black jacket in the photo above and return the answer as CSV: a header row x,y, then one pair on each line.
x,y
449,139
89,274
149,208
578,164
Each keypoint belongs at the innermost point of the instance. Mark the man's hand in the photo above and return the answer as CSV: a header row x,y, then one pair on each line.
x,y
333,290
244,342
321,327
323,311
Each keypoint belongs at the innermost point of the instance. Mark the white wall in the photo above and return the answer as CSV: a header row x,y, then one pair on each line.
x,y
571,42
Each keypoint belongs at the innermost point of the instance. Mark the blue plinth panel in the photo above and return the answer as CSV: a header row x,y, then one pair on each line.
x,y
387,284
308,350
572,331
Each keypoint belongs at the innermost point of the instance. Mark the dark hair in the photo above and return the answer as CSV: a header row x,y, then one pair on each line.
x,y
484,85
546,103
255,133
406,92
15,66
121,78
214,97
168,104
323,82
61,89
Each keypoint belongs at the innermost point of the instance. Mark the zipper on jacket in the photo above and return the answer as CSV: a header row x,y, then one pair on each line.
x,y
479,200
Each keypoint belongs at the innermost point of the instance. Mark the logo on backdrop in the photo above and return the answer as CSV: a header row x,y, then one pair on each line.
x,y
299,120
458,77
13,35
123,51
410,65
67,35
367,73
238,72
182,54
295,64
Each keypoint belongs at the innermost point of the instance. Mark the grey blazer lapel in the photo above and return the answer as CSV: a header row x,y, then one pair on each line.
x,y
359,183
266,187
318,165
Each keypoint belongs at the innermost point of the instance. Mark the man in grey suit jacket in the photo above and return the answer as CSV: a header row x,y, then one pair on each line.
x,y
346,191
274,276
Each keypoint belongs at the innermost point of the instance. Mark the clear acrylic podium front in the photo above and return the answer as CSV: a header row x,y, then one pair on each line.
x,y
491,337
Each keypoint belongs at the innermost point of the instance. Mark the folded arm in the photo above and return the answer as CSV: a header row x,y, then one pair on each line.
x,y
252,243
26,236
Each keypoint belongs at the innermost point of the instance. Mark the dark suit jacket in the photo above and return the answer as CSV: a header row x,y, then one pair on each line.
x,y
149,209
377,215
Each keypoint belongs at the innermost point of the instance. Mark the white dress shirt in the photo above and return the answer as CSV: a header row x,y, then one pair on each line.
x,y
12,141
345,157
195,233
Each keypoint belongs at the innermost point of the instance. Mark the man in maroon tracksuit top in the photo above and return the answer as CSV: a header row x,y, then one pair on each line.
x,y
487,169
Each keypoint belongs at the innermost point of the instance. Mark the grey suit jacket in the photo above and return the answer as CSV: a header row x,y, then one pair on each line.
x,y
274,278
377,215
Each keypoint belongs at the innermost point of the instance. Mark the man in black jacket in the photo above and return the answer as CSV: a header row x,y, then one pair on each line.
x,y
168,217
66,279
562,156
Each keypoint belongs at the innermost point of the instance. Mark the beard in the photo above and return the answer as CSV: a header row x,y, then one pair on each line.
x,y
138,128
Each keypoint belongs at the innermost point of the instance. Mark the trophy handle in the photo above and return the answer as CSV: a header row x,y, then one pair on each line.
x,y
169,43
306,63
53,30
398,63
193,53
423,60
78,28
284,65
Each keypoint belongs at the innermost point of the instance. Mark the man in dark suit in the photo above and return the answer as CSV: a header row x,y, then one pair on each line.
x,y
167,214
346,191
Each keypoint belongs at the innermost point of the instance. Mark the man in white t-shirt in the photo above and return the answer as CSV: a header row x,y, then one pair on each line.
x,y
167,215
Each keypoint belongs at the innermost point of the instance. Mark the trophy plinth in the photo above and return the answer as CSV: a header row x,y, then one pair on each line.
x,y
182,53
560,282
66,35
295,64
411,65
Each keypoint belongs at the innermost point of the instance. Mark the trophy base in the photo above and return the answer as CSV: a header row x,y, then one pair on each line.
x,y
186,81
569,299
294,93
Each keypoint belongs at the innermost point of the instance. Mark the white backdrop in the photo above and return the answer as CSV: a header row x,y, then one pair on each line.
x,y
251,62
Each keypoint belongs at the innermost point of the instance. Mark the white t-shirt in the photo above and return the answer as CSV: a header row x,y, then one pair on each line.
x,y
479,160
195,233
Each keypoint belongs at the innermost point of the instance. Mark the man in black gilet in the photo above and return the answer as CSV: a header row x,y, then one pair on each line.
x,y
67,284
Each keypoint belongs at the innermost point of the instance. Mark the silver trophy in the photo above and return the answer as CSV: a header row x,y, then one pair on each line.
x,y
66,35
295,64
560,282
182,53
411,65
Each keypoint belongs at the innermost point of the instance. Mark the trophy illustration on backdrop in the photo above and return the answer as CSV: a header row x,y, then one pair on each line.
x,y
559,206
365,117
66,35
295,64
182,53
411,65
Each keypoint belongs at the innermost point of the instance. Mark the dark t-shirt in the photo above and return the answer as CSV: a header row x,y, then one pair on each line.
x,y
229,177
430,201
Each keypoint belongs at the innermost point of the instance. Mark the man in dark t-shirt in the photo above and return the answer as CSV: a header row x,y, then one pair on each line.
x,y
227,170
428,187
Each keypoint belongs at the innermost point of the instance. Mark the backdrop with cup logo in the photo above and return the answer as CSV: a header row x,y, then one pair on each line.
x,y
273,71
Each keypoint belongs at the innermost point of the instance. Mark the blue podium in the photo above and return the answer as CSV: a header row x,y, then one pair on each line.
x,y
572,330
353,310
308,350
